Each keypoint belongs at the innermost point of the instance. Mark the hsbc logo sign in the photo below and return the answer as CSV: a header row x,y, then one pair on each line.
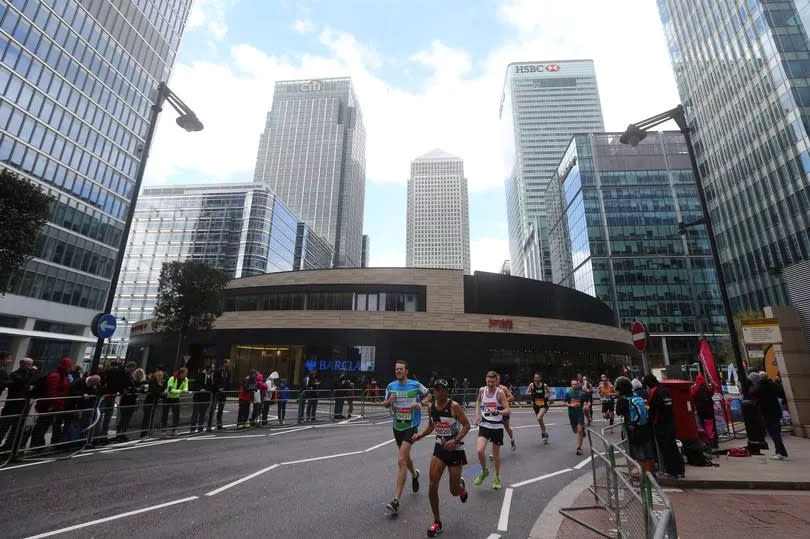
x,y
311,86
537,68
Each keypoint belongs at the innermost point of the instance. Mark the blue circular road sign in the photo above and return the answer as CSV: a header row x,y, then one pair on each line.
x,y
105,326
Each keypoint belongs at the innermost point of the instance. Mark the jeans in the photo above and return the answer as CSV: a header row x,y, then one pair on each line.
x,y
774,428
220,407
125,412
282,410
172,405
199,415
665,438
44,422
107,405
339,406
146,421
312,405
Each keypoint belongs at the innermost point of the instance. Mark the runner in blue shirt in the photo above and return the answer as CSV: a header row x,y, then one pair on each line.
x,y
405,397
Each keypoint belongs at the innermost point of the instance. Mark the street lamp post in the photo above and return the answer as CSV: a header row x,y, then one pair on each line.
x,y
188,121
634,134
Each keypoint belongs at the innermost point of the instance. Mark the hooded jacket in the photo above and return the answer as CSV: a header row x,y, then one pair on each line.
x,y
57,385
702,397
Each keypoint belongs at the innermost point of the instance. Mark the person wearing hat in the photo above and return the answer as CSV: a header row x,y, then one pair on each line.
x,y
451,425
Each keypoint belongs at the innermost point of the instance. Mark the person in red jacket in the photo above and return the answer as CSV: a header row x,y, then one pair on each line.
x,y
249,391
704,407
56,388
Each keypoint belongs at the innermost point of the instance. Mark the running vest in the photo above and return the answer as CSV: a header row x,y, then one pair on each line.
x,y
489,405
539,397
445,425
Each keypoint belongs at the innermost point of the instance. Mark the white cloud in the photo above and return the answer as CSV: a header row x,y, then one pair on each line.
x,y
390,258
303,26
488,254
210,14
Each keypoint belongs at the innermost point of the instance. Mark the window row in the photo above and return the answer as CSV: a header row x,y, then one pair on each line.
x,y
49,283
65,249
328,301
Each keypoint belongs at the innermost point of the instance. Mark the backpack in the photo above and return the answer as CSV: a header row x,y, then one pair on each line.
x,y
638,411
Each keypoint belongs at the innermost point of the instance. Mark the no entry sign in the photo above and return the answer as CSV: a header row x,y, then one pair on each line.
x,y
640,337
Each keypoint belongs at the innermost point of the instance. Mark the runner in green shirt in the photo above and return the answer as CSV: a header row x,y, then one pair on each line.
x,y
575,399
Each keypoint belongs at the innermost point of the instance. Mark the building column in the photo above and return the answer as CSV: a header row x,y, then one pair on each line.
x,y
664,348
19,345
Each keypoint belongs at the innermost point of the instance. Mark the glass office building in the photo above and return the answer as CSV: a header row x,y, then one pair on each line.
x,y
76,84
241,229
743,73
542,105
613,215
312,154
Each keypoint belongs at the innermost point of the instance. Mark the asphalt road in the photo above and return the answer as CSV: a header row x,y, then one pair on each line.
x,y
324,480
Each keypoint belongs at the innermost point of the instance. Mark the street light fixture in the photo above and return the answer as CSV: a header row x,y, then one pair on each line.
x,y
633,135
188,121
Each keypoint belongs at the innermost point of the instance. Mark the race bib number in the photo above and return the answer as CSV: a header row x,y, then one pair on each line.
x,y
575,403
539,402
443,429
490,409
403,414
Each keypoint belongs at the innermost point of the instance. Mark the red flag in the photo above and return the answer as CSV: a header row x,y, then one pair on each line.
x,y
710,369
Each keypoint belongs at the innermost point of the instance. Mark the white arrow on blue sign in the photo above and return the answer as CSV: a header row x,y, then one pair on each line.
x,y
105,326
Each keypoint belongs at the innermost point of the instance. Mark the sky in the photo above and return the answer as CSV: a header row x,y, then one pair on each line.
x,y
428,74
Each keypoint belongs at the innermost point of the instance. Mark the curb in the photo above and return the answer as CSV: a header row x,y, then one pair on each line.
x,y
733,484
548,523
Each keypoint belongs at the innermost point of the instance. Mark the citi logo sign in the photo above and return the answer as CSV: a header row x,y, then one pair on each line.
x,y
537,68
311,86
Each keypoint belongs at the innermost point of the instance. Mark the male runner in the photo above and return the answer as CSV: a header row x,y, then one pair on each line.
x,y
491,407
587,390
539,393
510,399
575,398
451,425
407,398
607,392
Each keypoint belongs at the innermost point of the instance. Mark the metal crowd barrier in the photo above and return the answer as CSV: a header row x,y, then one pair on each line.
x,y
11,418
54,425
637,505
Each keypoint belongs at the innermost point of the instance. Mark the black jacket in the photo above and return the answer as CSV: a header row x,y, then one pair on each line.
x,y
222,379
206,382
80,389
661,406
767,393
18,383
154,391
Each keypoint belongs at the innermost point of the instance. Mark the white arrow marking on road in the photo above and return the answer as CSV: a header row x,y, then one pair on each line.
x,y
114,517
503,521
246,478
546,476
372,448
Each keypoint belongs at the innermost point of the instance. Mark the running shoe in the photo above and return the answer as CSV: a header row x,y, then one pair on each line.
x,y
480,477
435,529
392,507
496,483
415,481
545,438
491,456
463,494
514,446
579,451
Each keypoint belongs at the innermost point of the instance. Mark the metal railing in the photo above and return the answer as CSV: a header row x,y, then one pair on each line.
x,y
636,503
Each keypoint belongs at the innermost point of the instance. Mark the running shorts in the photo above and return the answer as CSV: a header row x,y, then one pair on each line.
x,y
404,436
577,417
608,405
493,435
457,457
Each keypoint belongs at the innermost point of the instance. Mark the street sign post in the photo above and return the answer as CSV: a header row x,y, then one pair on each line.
x,y
640,340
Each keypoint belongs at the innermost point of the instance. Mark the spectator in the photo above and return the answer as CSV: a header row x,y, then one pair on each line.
x,y
701,395
77,373
249,385
309,397
20,384
129,399
5,363
222,381
663,421
154,392
175,386
115,380
269,396
636,422
283,396
258,398
767,393
56,387
202,400
342,389
89,390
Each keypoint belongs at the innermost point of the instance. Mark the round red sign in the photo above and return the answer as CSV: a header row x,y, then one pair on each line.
x,y
639,332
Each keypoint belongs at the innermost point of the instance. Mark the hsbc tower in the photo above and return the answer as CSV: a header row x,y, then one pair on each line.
x,y
543,104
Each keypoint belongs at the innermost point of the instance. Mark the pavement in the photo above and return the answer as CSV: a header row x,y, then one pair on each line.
x,y
744,497
319,480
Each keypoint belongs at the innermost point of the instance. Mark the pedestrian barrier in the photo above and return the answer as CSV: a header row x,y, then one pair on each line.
x,y
52,425
11,418
636,503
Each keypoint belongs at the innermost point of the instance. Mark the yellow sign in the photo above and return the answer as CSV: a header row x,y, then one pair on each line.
x,y
764,331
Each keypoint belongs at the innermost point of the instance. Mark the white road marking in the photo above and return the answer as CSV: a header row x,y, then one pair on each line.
x,y
503,521
141,445
583,463
114,517
238,481
321,458
535,426
349,420
540,478
494,536
24,465
214,437
372,448
383,422
294,429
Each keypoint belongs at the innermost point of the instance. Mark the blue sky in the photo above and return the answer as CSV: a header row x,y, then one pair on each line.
x,y
428,74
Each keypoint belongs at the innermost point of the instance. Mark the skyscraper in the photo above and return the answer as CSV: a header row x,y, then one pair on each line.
x,y
438,233
543,104
77,80
613,212
312,154
742,71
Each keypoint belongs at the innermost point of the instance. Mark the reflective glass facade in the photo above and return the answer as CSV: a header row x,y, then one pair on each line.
x,y
312,154
241,229
614,211
743,73
542,105
76,83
